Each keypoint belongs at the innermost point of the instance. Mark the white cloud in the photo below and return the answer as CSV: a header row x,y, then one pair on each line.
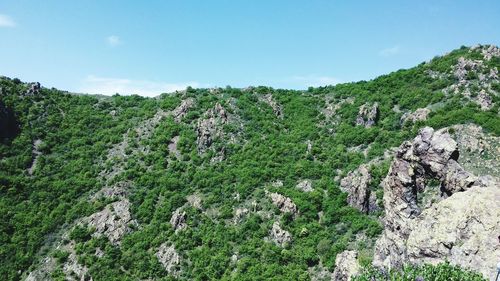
x,y
113,40
110,86
6,21
390,51
315,80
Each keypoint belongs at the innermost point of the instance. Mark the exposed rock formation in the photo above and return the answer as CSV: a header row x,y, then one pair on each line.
x,y
33,89
178,220
280,236
418,115
35,151
113,221
277,110
357,185
182,109
367,115
210,128
283,203
490,51
452,228
169,258
346,266
172,146
473,79
462,229
305,185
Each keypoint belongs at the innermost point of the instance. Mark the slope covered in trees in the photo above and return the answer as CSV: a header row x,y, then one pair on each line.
x,y
220,183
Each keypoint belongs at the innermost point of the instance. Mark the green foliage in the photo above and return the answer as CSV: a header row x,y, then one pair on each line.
x,y
440,272
258,148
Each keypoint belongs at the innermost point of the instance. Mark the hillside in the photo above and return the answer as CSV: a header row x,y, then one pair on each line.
x,y
249,184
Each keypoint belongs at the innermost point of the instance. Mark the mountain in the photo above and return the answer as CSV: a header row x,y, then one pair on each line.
x,y
258,183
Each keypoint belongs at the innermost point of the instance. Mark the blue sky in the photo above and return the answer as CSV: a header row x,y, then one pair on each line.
x,y
149,47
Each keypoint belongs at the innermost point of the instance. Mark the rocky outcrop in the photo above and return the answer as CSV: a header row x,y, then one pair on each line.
x,y
172,146
489,51
169,258
367,115
33,89
484,100
178,220
451,228
346,266
280,236
210,128
179,112
277,110
462,229
284,204
420,114
357,186
305,185
113,222
475,79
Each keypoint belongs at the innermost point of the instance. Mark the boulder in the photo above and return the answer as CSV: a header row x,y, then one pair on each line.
x,y
346,266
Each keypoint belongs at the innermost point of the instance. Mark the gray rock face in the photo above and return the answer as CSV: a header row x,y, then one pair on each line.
x,y
367,115
210,128
346,266
283,203
357,185
413,235
169,258
181,111
462,229
280,236
178,220
113,221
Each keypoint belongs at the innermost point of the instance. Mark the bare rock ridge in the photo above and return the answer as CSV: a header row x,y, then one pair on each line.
x,y
409,230
210,128
367,115
357,185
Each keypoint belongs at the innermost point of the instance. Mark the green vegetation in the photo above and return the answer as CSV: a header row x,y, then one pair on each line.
x,y
440,272
78,131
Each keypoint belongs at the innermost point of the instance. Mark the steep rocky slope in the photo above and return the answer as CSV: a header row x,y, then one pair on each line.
x,y
253,183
